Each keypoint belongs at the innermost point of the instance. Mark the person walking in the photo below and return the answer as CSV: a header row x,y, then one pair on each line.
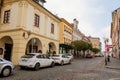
x,y
105,55
108,58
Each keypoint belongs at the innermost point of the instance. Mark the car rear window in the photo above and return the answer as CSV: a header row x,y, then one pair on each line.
x,y
68,54
28,56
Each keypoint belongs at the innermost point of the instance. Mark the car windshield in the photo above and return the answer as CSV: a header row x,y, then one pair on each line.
x,y
28,56
1,60
56,55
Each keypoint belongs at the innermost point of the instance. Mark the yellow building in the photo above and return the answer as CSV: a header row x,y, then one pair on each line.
x,y
66,30
26,26
95,42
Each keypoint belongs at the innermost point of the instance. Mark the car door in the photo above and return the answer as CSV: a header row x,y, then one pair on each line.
x,y
64,59
1,63
48,61
67,59
41,60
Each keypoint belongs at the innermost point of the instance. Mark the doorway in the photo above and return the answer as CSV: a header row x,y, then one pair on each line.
x,y
8,51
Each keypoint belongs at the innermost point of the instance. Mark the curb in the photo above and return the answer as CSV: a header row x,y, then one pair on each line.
x,y
111,67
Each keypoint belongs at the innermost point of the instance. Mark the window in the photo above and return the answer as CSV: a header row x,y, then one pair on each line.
x,y
1,51
36,20
33,48
39,56
6,16
64,27
1,60
52,28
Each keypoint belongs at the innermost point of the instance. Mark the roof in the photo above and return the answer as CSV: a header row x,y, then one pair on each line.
x,y
65,21
47,10
43,1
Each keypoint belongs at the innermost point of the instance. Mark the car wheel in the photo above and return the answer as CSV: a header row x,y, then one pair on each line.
x,y
52,64
62,63
37,66
6,71
69,61
22,67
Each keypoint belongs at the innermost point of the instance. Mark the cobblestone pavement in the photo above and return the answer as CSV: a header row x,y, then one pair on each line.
x,y
80,69
114,63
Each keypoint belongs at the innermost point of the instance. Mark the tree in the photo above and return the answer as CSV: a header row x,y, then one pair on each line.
x,y
80,45
95,50
75,45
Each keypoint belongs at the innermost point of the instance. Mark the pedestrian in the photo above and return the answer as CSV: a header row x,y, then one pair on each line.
x,y
54,52
108,58
47,54
39,51
105,58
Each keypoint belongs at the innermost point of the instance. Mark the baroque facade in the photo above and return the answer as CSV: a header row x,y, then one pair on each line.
x,y
25,27
66,31
95,41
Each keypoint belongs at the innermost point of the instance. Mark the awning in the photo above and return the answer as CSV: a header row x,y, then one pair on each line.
x,y
66,46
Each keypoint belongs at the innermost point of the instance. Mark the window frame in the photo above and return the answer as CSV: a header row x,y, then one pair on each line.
x,y
6,16
36,20
52,28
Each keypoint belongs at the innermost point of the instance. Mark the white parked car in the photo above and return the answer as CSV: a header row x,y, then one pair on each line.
x,y
61,59
6,67
35,60
69,55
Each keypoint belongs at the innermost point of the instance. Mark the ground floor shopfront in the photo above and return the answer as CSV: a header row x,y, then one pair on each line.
x,y
16,43
65,48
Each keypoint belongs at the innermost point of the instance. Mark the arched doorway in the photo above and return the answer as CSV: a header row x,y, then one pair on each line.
x,y
52,48
6,43
33,45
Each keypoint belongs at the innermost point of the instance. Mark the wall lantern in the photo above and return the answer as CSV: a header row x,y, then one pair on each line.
x,y
26,34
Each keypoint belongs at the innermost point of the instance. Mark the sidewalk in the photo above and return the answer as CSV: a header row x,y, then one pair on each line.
x,y
113,64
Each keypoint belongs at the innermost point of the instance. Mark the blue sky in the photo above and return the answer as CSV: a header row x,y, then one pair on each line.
x,y
94,16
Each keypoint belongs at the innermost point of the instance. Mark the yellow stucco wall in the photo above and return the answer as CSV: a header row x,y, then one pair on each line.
x,y
65,28
22,20
19,43
95,42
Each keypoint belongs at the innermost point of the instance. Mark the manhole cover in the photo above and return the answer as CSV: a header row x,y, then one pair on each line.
x,y
115,79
